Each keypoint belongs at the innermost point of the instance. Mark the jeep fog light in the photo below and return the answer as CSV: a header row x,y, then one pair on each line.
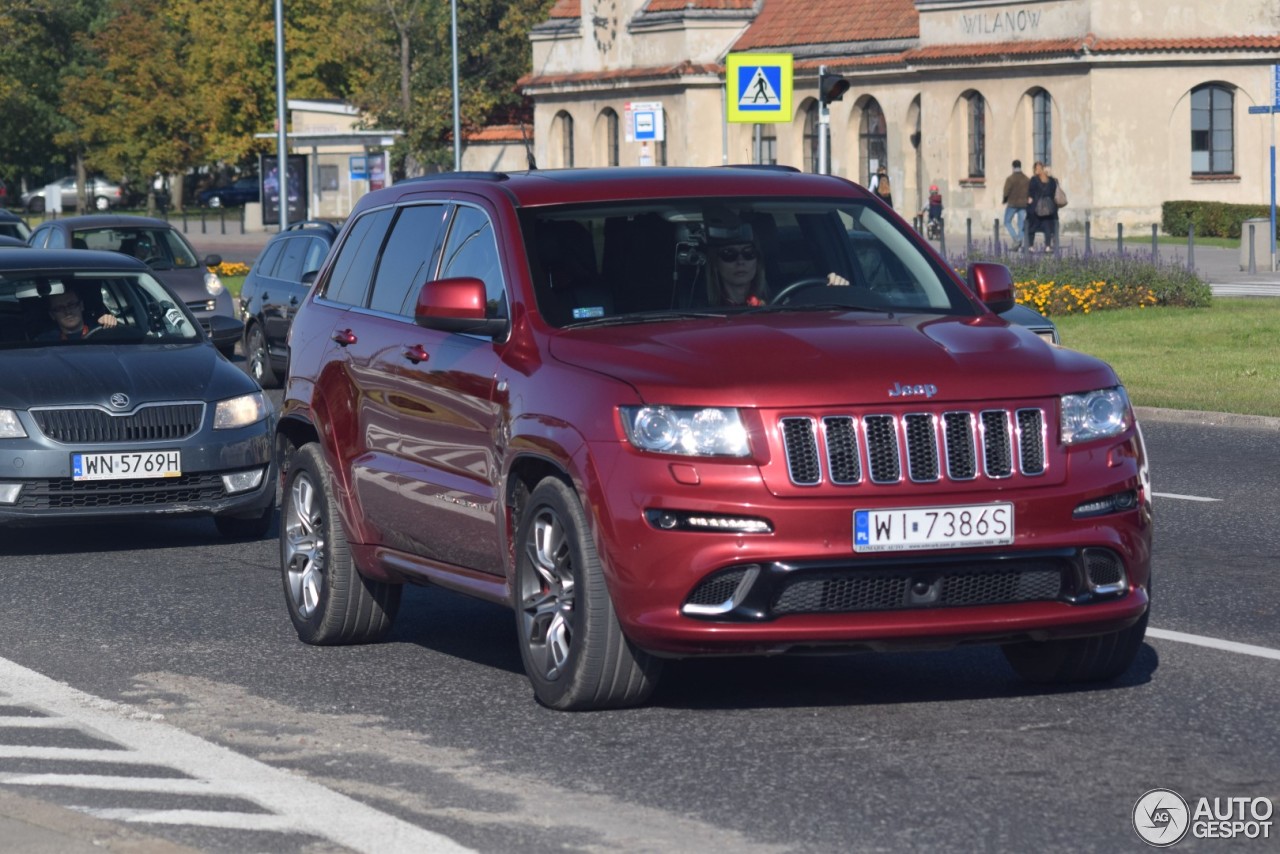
x,y
680,520
1095,415
9,493
689,430
1117,503
242,481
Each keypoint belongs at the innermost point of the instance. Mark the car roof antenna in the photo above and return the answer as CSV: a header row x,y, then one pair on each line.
x,y
528,147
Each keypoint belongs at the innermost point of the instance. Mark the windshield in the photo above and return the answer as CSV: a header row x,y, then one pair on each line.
x,y
158,248
44,308
662,259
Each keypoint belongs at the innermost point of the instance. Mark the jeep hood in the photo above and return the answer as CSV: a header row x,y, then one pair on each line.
x,y
806,359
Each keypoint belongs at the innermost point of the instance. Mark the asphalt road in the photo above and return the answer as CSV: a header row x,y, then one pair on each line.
x,y
433,738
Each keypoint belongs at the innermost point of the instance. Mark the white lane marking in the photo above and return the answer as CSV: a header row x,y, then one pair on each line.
x,y
1215,643
1183,497
301,805
112,783
199,818
74,754
36,723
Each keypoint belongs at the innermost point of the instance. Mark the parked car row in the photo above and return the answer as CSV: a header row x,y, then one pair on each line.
x,y
104,195
657,413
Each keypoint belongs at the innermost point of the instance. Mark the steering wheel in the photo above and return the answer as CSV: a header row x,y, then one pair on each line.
x,y
798,285
152,259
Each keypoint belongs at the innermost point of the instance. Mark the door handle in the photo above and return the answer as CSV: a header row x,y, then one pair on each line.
x,y
344,337
293,300
416,354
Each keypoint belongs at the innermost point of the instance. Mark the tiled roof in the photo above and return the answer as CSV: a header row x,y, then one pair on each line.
x,y
1209,43
786,23
681,69
984,52
680,5
566,9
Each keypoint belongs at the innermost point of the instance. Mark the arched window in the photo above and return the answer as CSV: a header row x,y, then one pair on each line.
x,y
811,127
872,140
767,150
977,135
611,136
1213,130
564,123
1042,126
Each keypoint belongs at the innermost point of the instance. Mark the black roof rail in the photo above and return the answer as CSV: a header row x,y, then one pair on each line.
x,y
768,167
467,175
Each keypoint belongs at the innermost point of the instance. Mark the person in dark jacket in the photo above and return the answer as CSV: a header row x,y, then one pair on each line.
x,y
1015,204
1042,211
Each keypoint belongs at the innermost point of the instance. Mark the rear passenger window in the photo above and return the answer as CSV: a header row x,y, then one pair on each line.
x,y
407,261
356,259
290,268
316,250
472,251
266,265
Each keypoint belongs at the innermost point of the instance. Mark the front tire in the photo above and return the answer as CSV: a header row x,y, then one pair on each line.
x,y
1063,662
329,601
258,357
572,646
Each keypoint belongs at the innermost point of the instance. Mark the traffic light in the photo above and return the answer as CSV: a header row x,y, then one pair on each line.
x,y
831,87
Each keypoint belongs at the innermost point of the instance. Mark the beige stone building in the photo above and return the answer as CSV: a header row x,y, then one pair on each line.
x,y
1132,102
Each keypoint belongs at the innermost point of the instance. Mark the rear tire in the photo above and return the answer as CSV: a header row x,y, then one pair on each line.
x,y
329,601
572,646
258,357
1095,659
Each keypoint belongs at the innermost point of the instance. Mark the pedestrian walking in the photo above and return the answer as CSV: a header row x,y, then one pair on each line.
x,y
881,187
1042,210
1015,205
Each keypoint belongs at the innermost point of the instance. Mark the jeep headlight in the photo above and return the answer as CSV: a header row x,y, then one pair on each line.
x,y
1095,415
689,430
239,411
10,426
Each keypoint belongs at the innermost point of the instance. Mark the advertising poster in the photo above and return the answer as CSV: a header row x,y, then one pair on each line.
x,y
295,188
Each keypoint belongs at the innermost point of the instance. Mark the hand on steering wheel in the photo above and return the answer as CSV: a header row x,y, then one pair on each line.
x,y
831,280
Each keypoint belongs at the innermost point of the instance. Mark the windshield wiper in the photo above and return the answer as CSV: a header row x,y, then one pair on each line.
x,y
642,317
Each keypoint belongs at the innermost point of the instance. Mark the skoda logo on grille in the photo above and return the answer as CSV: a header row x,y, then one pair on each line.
x,y
119,401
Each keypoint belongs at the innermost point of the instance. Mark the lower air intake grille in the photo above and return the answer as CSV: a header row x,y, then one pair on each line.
x,y
889,590
67,494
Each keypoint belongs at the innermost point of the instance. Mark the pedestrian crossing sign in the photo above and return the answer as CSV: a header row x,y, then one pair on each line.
x,y
758,87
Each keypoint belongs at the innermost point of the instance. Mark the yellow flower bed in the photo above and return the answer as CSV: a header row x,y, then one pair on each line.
x,y
1051,298
229,268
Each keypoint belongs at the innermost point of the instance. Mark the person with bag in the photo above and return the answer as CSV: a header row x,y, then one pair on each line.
x,y
881,187
1042,210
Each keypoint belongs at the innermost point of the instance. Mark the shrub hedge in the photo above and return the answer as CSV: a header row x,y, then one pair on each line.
x,y
1074,284
1211,219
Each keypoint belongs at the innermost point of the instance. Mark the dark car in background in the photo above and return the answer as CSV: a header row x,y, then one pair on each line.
x,y
138,418
273,290
668,412
166,251
231,195
12,225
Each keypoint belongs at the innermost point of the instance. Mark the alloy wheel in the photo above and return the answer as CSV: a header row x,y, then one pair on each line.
x,y
305,548
547,594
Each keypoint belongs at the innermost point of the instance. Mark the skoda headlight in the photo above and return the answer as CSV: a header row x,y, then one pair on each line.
x,y
689,430
212,283
1095,415
240,411
10,426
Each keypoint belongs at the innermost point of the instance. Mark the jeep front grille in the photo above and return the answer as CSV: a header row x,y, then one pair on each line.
x,y
926,447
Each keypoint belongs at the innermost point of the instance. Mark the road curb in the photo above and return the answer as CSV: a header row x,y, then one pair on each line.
x,y
1212,419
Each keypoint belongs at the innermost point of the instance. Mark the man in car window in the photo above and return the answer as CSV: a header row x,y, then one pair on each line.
x,y
67,312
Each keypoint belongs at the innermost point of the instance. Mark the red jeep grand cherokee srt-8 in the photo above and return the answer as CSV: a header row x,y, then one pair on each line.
x,y
672,412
